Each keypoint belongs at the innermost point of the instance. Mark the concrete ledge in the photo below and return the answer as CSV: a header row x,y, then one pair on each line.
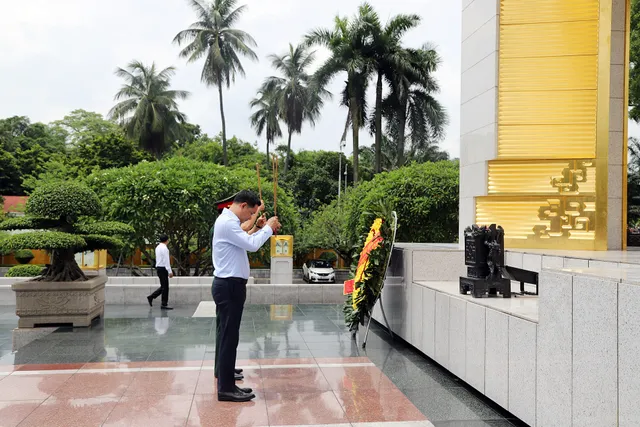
x,y
193,293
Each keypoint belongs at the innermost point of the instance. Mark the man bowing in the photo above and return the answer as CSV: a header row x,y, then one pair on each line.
x,y
231,264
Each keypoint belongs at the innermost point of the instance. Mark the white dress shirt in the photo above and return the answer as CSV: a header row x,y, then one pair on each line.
x,y
162,257
231,243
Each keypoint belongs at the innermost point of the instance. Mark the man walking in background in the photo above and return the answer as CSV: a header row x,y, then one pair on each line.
x,y
231,264
163,268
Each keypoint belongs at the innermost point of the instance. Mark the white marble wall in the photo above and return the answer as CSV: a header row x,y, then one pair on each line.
x,y
478,103
554,350
595,352
628,351
496,377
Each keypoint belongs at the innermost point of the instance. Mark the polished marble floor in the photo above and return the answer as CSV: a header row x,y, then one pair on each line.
x,y
142,367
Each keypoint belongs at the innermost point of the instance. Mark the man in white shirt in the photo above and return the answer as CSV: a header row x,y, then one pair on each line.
x,y
231,264
163,267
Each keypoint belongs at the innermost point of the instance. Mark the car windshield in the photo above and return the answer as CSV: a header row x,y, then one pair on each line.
x,y
319,264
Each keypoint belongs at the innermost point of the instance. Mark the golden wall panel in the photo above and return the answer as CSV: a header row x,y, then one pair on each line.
x,y
547,141
547,74
553,178
535,11
547,107
543,188
546,40
531,222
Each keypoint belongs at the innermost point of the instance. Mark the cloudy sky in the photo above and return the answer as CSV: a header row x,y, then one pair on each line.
x,y
60,55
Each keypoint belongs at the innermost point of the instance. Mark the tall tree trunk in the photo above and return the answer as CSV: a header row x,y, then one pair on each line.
x,y
402,123
268,158
286,162
355,127
225,159
378,141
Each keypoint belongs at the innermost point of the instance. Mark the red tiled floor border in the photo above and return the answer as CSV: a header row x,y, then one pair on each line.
x,y
205,402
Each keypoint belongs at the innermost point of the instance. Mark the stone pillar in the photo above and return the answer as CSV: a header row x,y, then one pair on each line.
x,y
478,110
616,219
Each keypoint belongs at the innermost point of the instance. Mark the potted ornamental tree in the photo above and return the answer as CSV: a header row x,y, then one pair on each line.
x,y
61,219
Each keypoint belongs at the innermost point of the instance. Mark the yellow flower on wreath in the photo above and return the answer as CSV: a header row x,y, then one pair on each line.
x,y
374,232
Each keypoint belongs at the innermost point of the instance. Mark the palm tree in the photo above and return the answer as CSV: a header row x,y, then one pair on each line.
x,y
385,52
267,116
411,102
299,98
149,111
347,44
214,37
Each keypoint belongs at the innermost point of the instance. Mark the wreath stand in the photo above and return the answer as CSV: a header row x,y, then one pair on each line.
x,y
394,215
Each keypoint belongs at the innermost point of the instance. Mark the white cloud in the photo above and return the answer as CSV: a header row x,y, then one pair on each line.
x,y
60,55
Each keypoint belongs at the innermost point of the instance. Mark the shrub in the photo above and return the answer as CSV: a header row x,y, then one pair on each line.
x,y
425,196
64,211
24,270
23,256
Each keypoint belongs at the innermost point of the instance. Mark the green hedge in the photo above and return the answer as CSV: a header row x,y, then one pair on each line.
x,y
425,196
24,270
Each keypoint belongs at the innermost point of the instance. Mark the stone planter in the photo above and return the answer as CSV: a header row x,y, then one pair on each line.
x,y
57,303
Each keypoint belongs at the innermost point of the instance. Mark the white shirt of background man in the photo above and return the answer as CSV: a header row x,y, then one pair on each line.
x,y
162,257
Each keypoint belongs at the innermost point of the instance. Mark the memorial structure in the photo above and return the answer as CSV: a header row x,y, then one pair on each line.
x,y
543,155
543,121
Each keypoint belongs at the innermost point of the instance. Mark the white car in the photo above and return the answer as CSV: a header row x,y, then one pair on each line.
x,y
318,270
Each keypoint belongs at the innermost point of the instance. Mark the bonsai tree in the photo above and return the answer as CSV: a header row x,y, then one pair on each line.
x,y
61,219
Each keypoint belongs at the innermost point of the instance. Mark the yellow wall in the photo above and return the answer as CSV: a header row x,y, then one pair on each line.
x,y
548,186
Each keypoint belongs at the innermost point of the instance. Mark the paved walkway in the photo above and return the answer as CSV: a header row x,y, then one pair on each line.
x,y
141,367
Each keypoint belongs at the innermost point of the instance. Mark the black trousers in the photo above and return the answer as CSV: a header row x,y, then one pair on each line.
x,y
163,290
229,295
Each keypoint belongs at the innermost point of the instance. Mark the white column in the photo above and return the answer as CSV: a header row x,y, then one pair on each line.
x,y
479,93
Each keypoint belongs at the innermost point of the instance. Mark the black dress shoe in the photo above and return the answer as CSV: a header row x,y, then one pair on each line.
x,y
236,396
150,301
238,377
238,371
166,307
247,390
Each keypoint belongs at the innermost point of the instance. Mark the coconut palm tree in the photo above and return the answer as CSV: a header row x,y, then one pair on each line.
x,y
267,116
148,109
385,52
299,98
411,103
347,44
214,37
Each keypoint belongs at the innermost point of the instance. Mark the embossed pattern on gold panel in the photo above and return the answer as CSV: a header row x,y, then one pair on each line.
x,y
540,221
559,177
534,11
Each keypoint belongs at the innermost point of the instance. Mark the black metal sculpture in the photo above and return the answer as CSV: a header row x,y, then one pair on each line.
x,y
484,257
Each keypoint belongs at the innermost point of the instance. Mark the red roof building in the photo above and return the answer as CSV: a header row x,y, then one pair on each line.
x,y
15,204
